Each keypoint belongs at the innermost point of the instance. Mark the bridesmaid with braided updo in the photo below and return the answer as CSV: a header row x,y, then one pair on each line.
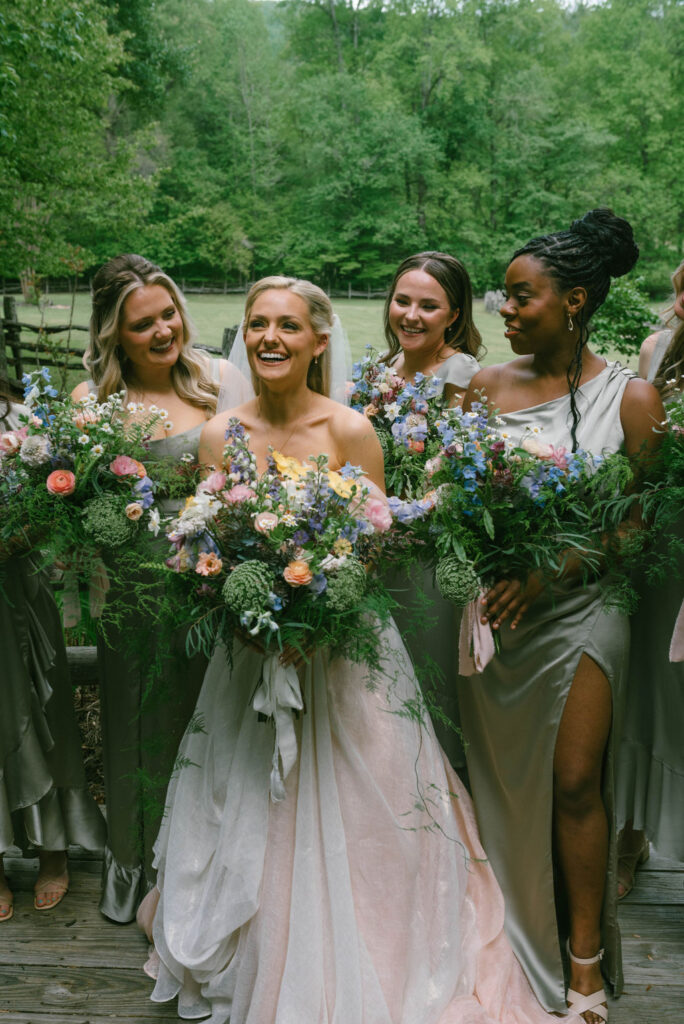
x,y
542,718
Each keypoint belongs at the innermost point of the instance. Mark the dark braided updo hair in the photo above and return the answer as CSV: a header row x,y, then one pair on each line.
x,y
595,248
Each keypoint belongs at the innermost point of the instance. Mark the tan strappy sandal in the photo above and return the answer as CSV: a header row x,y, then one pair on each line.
x,y
594,1002
46,888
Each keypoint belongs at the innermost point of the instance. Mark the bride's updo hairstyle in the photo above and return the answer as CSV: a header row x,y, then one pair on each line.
x,y
670,375
105,358
462,335
595,248
320,317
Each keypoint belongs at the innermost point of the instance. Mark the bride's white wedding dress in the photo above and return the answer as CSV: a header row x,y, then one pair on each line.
x,y
362,897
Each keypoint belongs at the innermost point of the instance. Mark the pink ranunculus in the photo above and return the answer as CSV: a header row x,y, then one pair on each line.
x,y
559,456
434,465
62,482
264,522
214,483
10,443
238,493
378,514
124,465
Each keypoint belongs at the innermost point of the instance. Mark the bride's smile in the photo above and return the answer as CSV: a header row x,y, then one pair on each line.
x,y
279,337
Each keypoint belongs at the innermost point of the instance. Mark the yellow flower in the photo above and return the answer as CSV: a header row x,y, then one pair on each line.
x,y
289,467
339,485
190,501
342,546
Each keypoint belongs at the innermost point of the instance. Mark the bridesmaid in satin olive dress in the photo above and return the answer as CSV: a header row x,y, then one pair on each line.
x,y
542,718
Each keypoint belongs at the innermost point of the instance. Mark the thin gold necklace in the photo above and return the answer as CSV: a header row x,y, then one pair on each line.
x,y
281,447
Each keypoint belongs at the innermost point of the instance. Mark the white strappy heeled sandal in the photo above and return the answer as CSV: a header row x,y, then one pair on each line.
x,y
594,1001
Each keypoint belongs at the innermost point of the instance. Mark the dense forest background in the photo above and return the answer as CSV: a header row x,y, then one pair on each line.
x,y
227,139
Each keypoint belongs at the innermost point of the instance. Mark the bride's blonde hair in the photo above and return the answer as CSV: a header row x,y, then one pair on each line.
x,y
320,316
104,357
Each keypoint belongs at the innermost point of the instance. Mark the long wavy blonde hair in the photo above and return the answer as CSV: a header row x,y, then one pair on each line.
x,y
105,359
320,317
670,376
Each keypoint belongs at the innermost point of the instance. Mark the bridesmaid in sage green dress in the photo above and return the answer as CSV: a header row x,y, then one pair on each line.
x,y
429,329
141,342
542,718
45,805
650,787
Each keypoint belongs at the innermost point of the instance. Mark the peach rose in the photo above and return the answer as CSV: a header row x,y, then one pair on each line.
x,y
264,522
534,447
134,511
10,442
85,417
416,446
123,465
208,564
62,482
297,573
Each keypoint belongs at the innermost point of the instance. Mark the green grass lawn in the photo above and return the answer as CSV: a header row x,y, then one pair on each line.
x,y
361,318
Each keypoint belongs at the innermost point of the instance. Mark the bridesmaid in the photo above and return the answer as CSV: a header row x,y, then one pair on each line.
x,y
650,781
141,342
44,800
429,329
542,717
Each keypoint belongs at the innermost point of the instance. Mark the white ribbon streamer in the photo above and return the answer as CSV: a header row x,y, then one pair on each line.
x,y
475,642
277,696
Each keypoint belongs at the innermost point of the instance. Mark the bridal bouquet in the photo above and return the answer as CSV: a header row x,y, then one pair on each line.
x,y
404,416
282,557
495,511
72,476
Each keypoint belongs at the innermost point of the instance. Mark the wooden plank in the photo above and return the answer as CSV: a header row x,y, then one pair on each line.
x,y
641,1005
77,1018
74,934
657,887
110,992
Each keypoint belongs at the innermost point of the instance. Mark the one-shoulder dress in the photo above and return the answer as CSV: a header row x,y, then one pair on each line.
x,y
44,798
420,602
650,767
510,715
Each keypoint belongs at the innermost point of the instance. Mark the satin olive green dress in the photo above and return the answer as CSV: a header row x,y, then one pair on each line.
x,y
650,772
511,712
428,624
44,799
143,721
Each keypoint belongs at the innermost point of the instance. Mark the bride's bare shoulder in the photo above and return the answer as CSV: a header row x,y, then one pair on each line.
x,y
213,436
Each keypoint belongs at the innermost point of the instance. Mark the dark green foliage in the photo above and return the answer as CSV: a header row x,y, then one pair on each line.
x,y
624,319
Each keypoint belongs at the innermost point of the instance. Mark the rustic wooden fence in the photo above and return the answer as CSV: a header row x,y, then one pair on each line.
x,y
19,353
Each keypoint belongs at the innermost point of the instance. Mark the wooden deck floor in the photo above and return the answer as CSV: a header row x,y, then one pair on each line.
x,y
71,966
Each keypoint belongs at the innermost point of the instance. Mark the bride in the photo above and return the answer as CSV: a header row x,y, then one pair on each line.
x,y
362,897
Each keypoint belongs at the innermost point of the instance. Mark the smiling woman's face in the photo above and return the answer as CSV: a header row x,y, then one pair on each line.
x,y
535,313
279,338
151,332
419,312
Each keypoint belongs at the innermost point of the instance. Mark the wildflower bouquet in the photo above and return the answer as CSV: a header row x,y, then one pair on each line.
x,y
404,416
283,556
71,478
495,511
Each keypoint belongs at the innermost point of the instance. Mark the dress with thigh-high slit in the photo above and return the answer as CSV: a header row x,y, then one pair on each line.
x,y
510,716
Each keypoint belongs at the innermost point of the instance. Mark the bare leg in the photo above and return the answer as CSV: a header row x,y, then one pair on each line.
x,y
581,823
632,851
6,897
53,879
